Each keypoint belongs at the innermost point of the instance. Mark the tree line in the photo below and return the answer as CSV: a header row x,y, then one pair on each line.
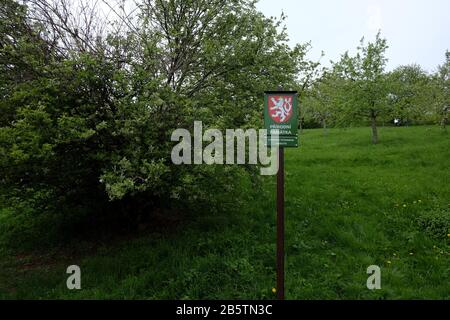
x,y
357,89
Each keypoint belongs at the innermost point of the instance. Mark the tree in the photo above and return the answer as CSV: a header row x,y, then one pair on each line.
x,y
440,88
365,82
409,92
320,101
210,61
308,73
52,145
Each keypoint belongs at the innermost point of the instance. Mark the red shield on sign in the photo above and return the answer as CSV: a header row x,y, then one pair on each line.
x,y
280,108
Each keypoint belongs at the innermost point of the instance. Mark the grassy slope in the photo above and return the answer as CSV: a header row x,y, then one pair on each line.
x,y
349,205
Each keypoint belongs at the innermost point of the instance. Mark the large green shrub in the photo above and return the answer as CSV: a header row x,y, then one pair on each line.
x,y
89,126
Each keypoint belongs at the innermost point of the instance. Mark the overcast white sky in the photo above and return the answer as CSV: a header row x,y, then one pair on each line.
x,y
417,31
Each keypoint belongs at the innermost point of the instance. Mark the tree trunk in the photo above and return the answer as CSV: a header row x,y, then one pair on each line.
x,y
374,128
444,122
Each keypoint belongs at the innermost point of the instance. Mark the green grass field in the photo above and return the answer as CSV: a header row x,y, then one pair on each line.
x,y
349,204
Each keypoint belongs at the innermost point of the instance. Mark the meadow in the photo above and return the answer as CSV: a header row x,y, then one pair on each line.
x,y
349,204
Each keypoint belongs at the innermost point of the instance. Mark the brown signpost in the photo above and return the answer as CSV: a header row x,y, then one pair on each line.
x,y
281,115
280,224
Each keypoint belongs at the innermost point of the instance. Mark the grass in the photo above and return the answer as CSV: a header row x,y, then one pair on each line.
x,y
349,205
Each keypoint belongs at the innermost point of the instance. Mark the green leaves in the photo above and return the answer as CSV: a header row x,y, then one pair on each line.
x,y
73,128
128,177
90,126
363,87
409,94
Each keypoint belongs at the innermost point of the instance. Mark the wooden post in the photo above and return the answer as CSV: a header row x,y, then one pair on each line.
x,y
280,224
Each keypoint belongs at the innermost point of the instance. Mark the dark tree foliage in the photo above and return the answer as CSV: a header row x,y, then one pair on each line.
x,y
87,111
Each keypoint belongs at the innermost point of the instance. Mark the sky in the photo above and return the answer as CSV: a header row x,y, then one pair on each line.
x,y
417,31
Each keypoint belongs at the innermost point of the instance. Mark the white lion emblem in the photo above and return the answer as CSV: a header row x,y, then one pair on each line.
x,y
282,108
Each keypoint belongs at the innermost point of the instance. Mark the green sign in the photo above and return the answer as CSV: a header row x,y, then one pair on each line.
x,y
281,116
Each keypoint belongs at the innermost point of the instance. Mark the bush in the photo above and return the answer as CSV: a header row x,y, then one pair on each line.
x,y
89,125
